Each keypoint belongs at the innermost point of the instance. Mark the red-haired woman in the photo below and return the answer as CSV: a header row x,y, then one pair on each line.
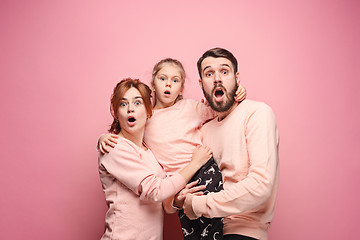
x,y
133,181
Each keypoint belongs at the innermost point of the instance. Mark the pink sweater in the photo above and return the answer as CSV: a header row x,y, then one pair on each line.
x,y
245,146
129,175
173,133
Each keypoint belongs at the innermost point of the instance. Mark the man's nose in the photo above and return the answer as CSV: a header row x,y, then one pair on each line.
x,y
217,78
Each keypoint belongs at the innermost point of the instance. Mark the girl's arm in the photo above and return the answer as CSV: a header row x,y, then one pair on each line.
x,y
127,166
200,156
188,173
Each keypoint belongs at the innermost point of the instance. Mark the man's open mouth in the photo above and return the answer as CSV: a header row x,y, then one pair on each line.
x,y
218,92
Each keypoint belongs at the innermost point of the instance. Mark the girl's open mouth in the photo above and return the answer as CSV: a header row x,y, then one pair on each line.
x,y
167,92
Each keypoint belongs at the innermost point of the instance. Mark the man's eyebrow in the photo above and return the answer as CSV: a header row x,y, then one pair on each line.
x,y
226,65
206,68
223,65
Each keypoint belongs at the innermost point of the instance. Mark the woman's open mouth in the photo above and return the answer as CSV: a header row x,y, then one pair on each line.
x,y
131,121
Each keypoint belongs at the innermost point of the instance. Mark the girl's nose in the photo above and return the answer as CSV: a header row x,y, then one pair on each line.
x,y
168,83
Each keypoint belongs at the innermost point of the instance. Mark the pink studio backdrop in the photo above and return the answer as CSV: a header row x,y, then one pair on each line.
x,y
60,60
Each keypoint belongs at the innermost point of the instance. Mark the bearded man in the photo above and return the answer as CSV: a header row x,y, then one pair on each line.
x,y
244,140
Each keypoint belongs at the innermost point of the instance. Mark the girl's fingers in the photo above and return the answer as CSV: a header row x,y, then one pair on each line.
x,y
101,149
190,185
196,189
181,197
104,147
111,144
114,135
198,193
113,140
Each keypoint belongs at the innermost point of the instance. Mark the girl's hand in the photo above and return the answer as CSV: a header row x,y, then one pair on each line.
x,y
240,93
190,188
205,102
105,141
201,155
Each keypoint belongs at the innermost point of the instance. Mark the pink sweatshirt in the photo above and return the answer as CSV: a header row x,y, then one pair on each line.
x,y
173,133
245,146
129,175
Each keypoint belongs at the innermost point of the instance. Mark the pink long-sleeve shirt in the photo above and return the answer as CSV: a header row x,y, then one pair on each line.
x,y
173,133
245,146
134,185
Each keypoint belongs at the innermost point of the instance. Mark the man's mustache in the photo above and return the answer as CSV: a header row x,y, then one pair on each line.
x,y
219,85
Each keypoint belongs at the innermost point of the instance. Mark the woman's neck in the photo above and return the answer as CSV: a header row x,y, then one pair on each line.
x,y
136,138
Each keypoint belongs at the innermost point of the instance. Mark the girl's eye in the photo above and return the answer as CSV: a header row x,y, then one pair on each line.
x,y
162,78
175,80
137,103
123,104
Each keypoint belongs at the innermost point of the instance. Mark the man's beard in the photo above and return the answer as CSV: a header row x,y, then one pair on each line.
x,y
228,101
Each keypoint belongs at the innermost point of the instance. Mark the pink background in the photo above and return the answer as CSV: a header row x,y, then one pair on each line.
x,y
60,60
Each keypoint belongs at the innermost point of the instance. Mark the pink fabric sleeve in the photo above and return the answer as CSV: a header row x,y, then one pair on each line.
x,y
157,189
205,112
136,173
168,206
256,188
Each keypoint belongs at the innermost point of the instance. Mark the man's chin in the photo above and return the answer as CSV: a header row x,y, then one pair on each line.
x,y
221,106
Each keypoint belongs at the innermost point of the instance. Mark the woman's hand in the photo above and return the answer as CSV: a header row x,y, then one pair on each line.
x,y
105,141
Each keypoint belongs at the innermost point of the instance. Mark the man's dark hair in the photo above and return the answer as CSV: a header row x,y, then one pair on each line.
x,y
216,53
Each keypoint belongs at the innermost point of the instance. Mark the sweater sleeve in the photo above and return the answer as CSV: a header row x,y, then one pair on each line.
x,y
130,168
205,112
168,205
255,189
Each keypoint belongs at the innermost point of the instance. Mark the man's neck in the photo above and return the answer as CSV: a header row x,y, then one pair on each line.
x,y
223,115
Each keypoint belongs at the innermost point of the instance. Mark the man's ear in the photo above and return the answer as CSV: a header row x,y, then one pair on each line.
x,y
237,78
200,82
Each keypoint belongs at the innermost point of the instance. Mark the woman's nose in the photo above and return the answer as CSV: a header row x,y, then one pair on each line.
x,y
130,108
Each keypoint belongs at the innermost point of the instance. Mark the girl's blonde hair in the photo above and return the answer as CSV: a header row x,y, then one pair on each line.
x,y
158,66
